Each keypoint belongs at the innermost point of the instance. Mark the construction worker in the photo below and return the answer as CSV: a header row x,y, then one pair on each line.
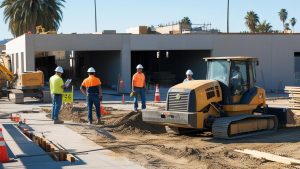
x,y
138,87
56,88
93,91
236,81
189,76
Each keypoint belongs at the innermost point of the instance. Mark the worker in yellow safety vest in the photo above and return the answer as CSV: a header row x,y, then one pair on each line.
x,y
56,88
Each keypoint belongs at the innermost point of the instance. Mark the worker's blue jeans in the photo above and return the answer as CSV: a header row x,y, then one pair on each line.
x,y
56,105
93,99
139,92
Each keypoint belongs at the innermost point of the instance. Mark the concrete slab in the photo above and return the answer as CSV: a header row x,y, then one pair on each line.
x,y
91,155
28,155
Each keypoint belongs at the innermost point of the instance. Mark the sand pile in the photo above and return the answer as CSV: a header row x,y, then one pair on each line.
x,y
133,123
118,121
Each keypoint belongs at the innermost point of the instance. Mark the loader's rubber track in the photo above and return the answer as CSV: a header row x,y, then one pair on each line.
x,y
220,128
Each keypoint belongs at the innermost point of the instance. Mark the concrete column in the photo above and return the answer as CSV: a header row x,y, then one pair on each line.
x,y
30,61
126,63
29,55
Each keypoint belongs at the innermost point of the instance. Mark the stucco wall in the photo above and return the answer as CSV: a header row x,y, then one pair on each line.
x,y
275,51
16,49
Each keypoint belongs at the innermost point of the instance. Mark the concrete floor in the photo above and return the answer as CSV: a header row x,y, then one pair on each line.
x,y
95,156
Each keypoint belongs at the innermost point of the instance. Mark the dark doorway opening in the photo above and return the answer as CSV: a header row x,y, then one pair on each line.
x,y
168,67
46,65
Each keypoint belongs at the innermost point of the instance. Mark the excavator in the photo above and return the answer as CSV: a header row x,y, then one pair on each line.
x,y
228,103
18,86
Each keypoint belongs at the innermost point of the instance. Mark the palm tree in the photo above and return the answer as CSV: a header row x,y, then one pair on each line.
x,y
264,27
293,22
251,20
287,26
186,23
283,14
24,15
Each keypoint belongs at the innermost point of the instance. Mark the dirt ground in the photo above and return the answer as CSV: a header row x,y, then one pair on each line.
x,y
151,146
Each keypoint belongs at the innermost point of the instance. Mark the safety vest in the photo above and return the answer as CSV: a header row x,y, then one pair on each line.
x,y
91,84
56,83
138,80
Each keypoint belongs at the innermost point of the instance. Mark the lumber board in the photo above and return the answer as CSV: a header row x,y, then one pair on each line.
x,y
292,87
294,105
57,152
269,156
70,158
291,91
296,112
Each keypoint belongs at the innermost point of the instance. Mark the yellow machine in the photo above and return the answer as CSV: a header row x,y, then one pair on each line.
x,y
18,86
228,102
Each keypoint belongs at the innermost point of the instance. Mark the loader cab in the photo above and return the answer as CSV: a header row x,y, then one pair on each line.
x,y
236,76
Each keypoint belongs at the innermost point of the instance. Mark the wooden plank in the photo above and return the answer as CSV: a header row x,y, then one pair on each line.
x,y
53,148
56,151
292,87
62,155
297,95
294,106
295,112
271,157
70,158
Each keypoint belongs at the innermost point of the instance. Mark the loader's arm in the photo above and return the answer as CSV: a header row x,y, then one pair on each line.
x,y
7,73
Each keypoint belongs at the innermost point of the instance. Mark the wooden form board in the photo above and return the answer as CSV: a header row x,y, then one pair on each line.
x,y
55,151
271,157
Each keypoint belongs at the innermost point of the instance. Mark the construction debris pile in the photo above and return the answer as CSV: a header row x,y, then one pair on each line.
x,y
118,121
132,122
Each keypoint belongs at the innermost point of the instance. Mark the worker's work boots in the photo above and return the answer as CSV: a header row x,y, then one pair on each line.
x,y
99,122
58,121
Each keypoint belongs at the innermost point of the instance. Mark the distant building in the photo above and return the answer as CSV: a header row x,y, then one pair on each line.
x,y
179,28
138,30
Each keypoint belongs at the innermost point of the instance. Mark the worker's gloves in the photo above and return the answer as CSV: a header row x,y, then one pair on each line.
x,y
132,94
100,98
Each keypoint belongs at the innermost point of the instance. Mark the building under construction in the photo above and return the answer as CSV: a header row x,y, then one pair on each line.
x,y
165,57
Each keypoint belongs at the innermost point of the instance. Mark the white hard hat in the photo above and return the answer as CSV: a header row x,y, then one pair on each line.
x,y
139,66
59,69
91,70
189,72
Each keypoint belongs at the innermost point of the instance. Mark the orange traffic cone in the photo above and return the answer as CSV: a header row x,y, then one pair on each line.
x,y
123,99
157,95
103,111
3,152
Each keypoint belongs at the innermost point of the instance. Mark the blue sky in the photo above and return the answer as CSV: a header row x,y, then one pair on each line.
x,y
121,14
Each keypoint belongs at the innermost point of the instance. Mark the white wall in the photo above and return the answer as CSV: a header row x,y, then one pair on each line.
x,y
16,48
275,51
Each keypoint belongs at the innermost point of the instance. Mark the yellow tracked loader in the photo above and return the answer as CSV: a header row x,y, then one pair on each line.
x,y
228,103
